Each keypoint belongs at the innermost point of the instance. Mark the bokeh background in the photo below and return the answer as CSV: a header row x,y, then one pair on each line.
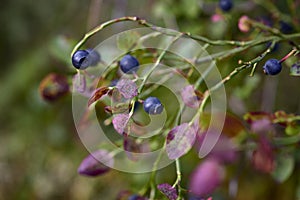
x,y
39,146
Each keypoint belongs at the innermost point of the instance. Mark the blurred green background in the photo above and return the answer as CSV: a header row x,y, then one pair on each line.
x,y
39,146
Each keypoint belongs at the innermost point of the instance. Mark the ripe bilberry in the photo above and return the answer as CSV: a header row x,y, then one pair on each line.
x,y
79,60
225,5
272,67
82,59
129,64
153,106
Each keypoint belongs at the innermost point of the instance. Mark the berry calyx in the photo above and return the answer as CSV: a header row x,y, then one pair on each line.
x,y
153,106
79,60
225,5
129,64
272,67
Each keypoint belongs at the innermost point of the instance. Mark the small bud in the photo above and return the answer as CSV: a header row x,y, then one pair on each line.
x,y
244,24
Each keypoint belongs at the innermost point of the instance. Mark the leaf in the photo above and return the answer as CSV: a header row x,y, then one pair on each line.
x,y
284,167
263,156
98,93
292,129
53,87
79,83
207,177
133,148
295,69
250,117
168,191
232,125
120,123
60,48
127,40
127,88
180,140
189,97
97,163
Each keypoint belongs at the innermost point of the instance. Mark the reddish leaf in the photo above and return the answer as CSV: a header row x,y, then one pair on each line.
x,y
53,87
98,93
263,157
180,140
250,117
232,125
168,191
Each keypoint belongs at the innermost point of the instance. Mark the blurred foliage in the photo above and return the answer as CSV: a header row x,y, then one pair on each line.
x,y
39,147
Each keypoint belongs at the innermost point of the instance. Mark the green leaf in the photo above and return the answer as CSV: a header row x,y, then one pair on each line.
x,y
292,129
60,48
284,168
127,40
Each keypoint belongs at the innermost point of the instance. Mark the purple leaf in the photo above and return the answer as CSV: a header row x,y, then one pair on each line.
x,y
79,83
97,163
189,97
168,191
127,88
180,140
120,122
206,177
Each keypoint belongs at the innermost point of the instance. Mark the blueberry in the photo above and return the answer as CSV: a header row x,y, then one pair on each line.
x,y
79,60
225,5
129,64
272,67
93,57
82,59
285,27
134,197
153,106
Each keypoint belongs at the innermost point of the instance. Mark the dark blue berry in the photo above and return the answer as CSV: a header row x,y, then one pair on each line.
x,y
129,64
79,60
272,67
153,106
136,197
285,27
225,5
93,57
